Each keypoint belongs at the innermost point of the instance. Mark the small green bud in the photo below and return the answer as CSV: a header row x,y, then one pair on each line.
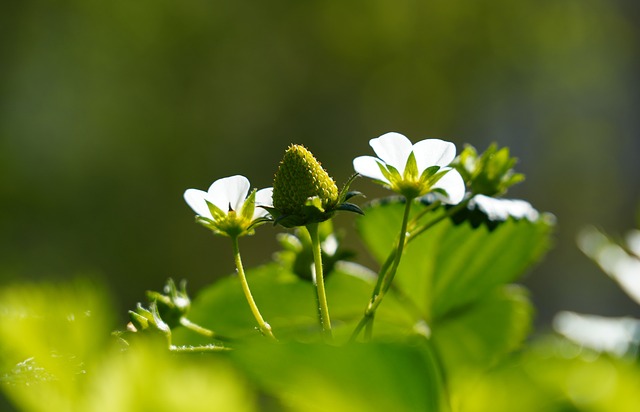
x,y
173,304
138,321
490,173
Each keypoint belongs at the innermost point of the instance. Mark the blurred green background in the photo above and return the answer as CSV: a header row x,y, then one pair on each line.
x,y
110,110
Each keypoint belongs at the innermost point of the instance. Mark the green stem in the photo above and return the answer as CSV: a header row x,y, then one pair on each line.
x,y
264,327
423,212
194,327
383,271
386,278
383,285
437,220
198,349
325,320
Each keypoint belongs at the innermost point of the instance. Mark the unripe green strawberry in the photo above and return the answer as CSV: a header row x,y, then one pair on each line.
x,y
299,178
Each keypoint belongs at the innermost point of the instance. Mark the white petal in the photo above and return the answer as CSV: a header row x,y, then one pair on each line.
x,y
264,197
229,192
494,208
633,241
433,152
196,200
615,335
453,183
501,209
368,166
393,148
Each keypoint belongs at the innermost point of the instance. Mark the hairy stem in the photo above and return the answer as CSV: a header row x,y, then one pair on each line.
x,y
264,327
386,277
387,272
201,330
325,320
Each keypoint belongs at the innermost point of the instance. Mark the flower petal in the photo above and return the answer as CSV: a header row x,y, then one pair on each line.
x,y
368,166
229,192
501,209
196,200
393,148
633,241
453,184
433,152
264,197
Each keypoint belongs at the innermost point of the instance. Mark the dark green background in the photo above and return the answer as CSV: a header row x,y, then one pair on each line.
x,y
109,110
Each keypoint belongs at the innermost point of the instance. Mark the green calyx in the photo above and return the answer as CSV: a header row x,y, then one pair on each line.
x,y
490,173
412,183
165,310
304,193
233,223
172,304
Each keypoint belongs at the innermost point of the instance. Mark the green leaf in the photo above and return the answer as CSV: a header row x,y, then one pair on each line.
x,y
288,304
556,376
284,300
492,328
371,377
453,265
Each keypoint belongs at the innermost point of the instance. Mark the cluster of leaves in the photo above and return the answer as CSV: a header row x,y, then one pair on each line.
x,y
446,289
449,336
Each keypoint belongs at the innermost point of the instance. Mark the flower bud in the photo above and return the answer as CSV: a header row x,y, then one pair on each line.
x,y
490,173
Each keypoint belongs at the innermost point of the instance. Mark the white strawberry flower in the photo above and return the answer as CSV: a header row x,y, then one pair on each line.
x,y
413,170
228,208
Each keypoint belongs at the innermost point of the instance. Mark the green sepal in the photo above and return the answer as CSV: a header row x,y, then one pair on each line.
x,y
345,194
440,191
249,207
390,173
437,176
205,221
428,172
140,310
139,322
259,221
351,194
310,214
215,211
157,320
513,179
411,168
314,202
350,207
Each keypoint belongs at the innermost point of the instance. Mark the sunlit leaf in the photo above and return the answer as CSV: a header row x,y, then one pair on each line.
x,y
470,341
556,376
147,378
452,265
50,336
371,377
288,304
